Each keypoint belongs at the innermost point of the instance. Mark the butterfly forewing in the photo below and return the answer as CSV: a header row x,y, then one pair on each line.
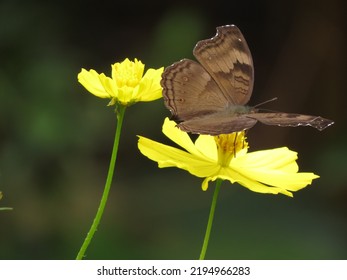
x,y
189,91
227,58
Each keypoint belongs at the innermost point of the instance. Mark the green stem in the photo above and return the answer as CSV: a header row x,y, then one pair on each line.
x,y
210,220
93,228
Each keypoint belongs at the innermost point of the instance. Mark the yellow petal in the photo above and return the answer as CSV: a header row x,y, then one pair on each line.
x,y
149,88
109,85
288,181
274,168
91,81
180,137
253,185
279,158
125,95
168,156
207,146
204,184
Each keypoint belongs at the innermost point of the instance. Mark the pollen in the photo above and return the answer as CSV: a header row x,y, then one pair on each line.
x,y
228,145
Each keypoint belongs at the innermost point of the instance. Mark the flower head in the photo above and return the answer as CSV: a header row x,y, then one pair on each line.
x,y
226,157
127,84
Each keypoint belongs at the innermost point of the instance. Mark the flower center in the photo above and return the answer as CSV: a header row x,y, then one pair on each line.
x,y
228,145
128,73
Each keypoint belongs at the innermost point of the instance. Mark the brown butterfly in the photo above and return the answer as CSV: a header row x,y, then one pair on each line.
x,y
210,97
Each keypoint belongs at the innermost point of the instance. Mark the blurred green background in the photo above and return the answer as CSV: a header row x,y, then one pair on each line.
x,y
56,138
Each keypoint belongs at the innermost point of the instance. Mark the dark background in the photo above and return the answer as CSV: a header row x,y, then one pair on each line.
x,y
56,138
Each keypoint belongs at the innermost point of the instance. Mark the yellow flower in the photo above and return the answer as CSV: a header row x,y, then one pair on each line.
x,y
127,84
226,157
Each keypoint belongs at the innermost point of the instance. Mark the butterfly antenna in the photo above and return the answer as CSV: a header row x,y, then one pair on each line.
x,y
265,102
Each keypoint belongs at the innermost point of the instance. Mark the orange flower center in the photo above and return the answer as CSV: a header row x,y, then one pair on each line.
x,y
228,145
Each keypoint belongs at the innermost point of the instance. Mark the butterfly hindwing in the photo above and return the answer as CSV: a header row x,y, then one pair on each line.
x,y
217,123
